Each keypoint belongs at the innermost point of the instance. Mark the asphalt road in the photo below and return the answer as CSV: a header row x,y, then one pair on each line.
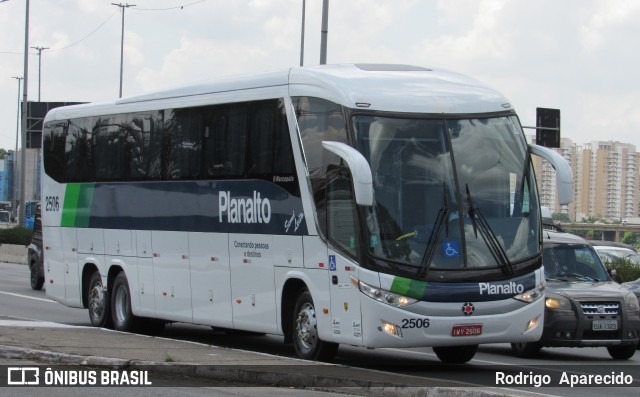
x,y
18,300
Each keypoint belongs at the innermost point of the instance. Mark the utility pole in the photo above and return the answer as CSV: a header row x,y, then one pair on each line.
x,y
25,105
323,32
302,34
123,6
15,155
39,49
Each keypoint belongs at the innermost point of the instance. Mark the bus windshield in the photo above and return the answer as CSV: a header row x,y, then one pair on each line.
x,y
449,194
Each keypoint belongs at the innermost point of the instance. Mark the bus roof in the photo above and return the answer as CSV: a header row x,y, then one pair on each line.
x,y
398,88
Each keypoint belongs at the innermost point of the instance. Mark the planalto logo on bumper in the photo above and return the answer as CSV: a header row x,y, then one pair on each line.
x,y
501,289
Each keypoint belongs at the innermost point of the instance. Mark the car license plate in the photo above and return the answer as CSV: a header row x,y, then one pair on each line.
x,y
604,325
466,330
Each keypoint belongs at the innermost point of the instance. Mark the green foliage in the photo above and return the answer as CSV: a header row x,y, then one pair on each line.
x,y
561,217
625,270
19,235
630,238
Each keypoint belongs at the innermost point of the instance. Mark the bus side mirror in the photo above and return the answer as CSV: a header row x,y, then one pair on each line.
x,y
360,170
564,175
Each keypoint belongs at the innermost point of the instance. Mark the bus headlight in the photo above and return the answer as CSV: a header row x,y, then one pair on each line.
x,y
557,302
383,295
531,295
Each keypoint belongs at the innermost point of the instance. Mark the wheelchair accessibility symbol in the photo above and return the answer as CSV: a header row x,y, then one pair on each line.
x,y
451,249
332,263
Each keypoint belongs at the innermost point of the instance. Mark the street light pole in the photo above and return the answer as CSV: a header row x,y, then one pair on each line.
x,y
40,49
323,32
15,154
302,34
123,6
23,152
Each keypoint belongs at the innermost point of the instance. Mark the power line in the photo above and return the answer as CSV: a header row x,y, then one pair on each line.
x,y
88,35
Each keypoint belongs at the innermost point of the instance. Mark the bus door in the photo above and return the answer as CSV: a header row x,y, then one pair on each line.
x,y
346,320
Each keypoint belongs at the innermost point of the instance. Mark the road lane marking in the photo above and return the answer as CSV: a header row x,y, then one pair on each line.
x,y
27,297
34,324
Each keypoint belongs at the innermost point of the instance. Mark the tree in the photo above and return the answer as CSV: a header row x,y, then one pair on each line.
x,y
560,217
3,154
630,238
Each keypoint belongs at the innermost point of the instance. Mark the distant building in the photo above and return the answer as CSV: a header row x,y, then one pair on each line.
x,y
606,180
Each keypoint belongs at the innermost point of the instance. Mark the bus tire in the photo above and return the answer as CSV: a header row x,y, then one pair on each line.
x,y
455,354
37,281
123,318
526,349
306,343
98,303
623,352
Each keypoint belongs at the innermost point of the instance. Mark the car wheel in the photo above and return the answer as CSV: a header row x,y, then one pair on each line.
x,y
623,352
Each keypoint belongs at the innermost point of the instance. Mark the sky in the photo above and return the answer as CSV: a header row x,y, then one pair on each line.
x,y
579,56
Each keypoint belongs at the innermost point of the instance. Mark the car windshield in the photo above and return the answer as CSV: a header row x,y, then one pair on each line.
x,y
4,217
449,194
572,262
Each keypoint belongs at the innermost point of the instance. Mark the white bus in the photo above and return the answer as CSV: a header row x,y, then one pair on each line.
x,y
368,205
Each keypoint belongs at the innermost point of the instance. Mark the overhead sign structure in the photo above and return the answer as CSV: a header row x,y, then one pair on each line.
x,y
548,127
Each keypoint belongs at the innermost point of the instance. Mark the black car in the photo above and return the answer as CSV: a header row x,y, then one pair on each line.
x,y
35,255
583,306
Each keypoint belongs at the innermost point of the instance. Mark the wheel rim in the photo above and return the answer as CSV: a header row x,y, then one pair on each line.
x,y
96,301
306,330
121,304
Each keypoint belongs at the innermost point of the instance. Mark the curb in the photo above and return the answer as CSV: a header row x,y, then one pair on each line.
x,y
249,374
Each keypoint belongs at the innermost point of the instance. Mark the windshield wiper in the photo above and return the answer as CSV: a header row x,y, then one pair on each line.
x,y
488,236
576,276
442,218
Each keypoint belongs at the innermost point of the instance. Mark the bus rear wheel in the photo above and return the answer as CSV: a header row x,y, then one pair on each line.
x,y
123,318
306,342
98,302
455,354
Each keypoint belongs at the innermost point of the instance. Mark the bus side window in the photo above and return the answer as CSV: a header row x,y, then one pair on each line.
x,y
184,129
225,141
319,120
53,149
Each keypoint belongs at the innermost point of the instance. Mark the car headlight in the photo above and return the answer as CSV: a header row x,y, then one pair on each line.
x,y
631,302
557,302
383,295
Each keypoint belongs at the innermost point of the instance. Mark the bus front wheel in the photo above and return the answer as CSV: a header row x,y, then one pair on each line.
x,y
455,354
98,302
306,342
123,318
